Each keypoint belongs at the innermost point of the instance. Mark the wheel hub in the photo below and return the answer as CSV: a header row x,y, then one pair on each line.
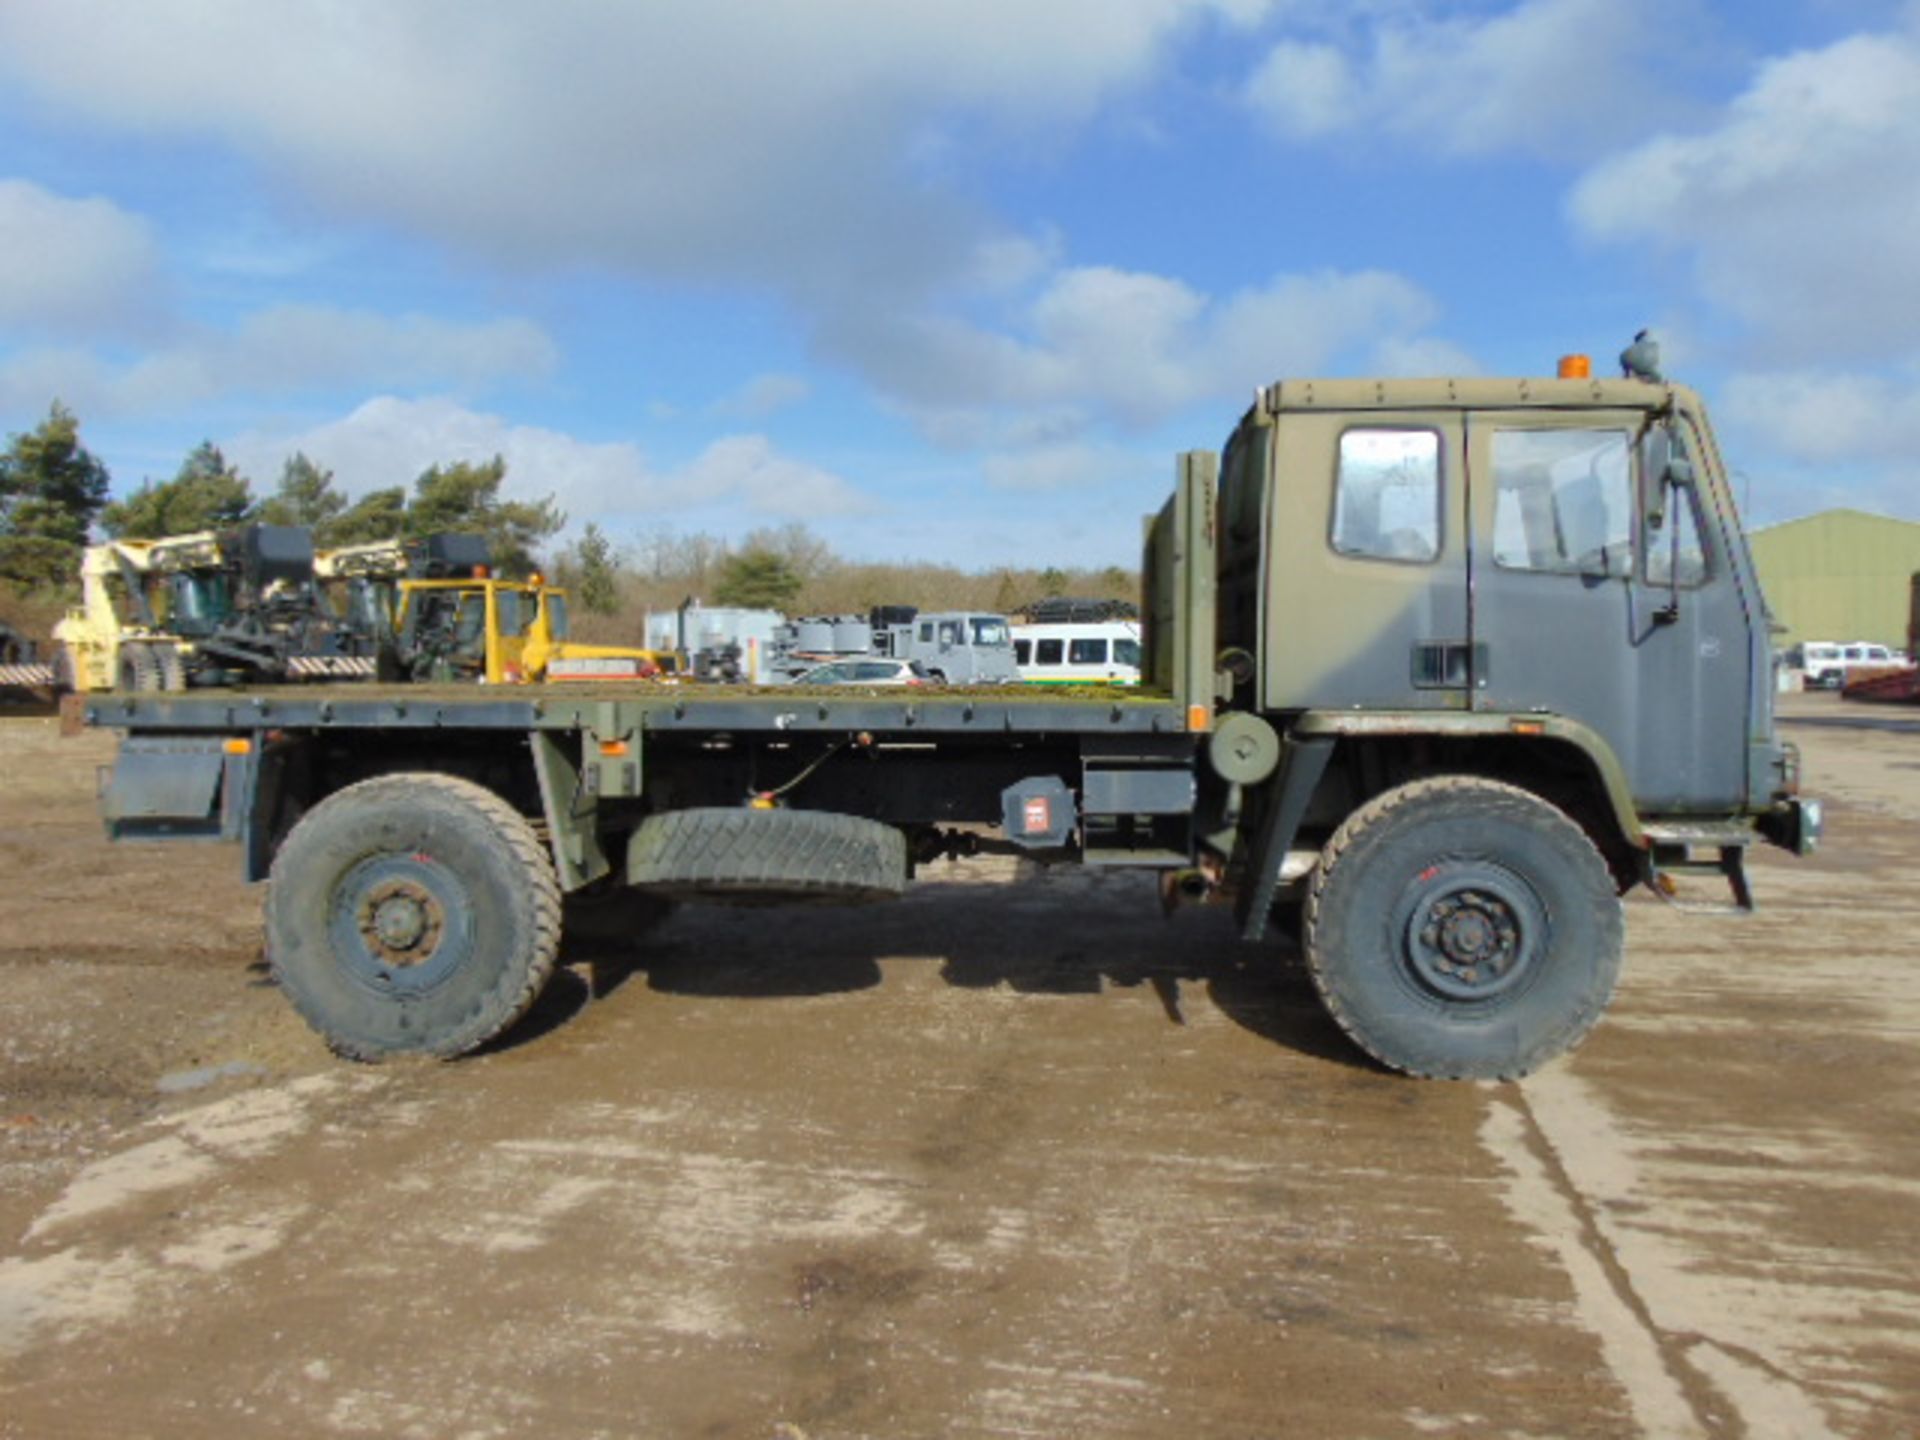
x,y
1472,933
401,922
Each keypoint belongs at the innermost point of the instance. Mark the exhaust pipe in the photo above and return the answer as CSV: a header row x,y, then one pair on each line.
x,y
1191,886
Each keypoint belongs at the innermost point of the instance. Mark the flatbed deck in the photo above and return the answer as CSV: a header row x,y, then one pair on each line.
x,y
625,706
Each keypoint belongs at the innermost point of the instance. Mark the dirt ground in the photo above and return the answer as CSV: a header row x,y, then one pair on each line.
x,y
1013,1157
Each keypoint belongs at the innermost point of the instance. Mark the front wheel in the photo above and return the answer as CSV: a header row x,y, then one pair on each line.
x,y
412,914
1463,928
139,669
173,670
66,672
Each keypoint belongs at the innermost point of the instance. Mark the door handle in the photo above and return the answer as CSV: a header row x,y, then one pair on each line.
x,y
1448,665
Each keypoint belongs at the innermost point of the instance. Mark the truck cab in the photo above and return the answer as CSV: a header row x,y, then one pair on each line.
x,y
1468,553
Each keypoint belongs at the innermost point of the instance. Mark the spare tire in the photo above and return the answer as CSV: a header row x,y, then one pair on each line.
x,y
749,856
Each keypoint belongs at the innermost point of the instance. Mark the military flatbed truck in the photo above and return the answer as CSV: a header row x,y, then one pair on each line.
x,y
1435,671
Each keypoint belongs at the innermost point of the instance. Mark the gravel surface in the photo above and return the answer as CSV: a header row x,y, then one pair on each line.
x,y
1014,1156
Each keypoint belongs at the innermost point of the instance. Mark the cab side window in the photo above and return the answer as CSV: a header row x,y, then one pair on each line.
x,y
1386,497
1563,501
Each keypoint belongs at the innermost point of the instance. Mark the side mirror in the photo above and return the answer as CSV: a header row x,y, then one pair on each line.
x,y
1656,454
1663,466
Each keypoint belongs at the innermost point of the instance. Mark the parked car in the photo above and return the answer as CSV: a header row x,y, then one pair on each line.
x,y
864,672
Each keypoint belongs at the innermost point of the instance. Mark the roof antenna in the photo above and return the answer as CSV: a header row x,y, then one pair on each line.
x,y
1641,359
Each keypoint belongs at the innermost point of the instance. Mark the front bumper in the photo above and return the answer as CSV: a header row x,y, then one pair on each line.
x,y
1794,825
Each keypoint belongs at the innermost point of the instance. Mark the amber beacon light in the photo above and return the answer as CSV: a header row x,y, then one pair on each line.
x,y
1576,367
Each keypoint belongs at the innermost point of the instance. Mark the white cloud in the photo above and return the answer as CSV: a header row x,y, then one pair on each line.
x,y
283,350
1067,467
1104,344
1798,210
779,148
747,469
1305,90
762,396
389,441
73,266
1827,417
1539,77
673,142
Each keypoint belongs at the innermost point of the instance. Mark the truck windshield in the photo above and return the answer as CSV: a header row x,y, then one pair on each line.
x,y
991,630
556,604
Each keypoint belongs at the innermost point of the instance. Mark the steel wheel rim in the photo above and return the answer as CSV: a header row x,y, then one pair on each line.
x,y
1470,931
400,923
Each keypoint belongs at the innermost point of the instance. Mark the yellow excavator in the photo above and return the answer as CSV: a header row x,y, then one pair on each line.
x,y
440,613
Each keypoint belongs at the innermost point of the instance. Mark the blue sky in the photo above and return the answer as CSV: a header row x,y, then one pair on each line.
x,y
948,280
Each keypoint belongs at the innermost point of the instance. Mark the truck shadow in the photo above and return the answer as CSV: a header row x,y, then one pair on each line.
x,y
1077,938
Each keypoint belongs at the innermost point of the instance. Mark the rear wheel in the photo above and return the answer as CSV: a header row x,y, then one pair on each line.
x,y
66,672
173,670
139,669
412,914
1463,928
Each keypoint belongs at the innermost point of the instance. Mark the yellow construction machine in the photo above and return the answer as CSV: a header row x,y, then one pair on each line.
x,y
442,614
209,608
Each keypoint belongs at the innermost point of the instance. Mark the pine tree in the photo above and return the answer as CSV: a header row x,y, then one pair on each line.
x,y
206,494
595,577
757,580
51,489
306,497
465,496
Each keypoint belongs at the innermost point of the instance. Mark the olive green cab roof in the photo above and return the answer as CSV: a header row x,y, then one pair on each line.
x,y
1470,393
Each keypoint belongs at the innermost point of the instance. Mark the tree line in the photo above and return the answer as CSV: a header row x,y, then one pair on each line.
x,y
55,495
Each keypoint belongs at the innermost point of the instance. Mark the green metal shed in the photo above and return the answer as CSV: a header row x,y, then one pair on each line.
x,y
1839,575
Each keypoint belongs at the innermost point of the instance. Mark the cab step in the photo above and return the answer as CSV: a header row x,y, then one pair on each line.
x,y
1674,854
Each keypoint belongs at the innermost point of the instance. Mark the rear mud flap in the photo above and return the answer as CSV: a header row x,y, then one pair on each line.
x,y
173,788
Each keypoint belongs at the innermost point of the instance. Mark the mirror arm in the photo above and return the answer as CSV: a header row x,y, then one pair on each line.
x,y
1669,613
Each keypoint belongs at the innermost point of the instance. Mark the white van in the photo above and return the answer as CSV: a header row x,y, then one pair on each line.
x,y
1104,652
1828,666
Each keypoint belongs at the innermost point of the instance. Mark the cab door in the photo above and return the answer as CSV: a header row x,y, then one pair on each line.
x,y
1368,563
1582,610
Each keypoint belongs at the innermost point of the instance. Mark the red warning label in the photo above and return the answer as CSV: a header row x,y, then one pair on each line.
x,y
1038,819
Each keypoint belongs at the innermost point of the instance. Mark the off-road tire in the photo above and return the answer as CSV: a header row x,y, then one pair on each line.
x,y
767,856
455,852
66,672
140,669
173,669
1462,928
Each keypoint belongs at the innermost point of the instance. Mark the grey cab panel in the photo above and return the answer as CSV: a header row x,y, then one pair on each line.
x,y
1583,609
